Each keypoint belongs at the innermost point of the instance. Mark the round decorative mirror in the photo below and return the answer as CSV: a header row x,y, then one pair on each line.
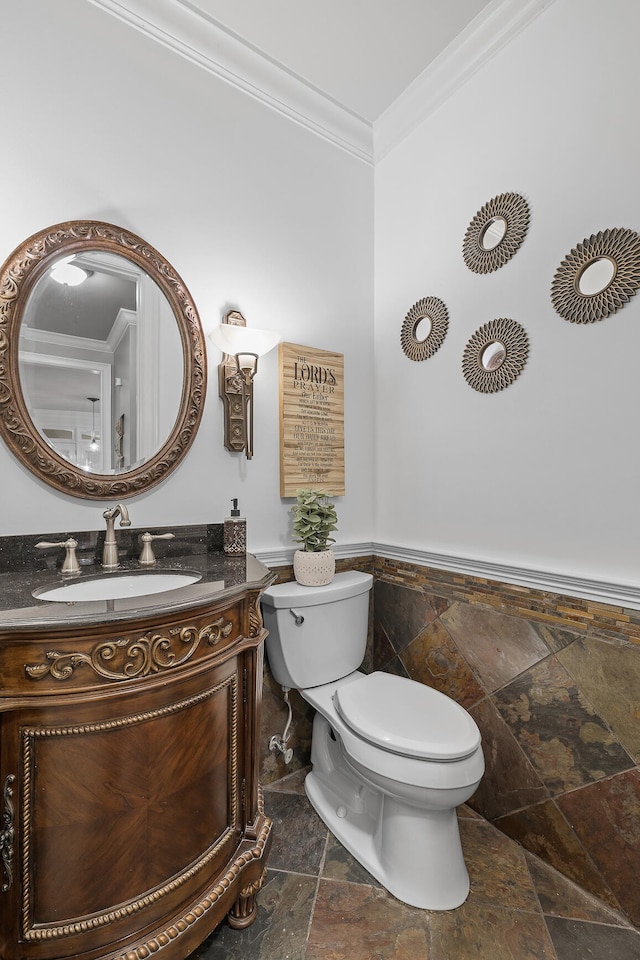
x,y
598,277
493,233
495,355
102,364
496,233
424,328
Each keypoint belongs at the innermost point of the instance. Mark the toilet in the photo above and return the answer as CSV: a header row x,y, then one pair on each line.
x,y
391,758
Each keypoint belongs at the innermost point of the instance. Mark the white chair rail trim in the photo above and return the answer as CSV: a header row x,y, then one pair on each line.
x,y
601,591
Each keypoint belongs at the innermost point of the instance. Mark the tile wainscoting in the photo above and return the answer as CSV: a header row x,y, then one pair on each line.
x,y
552,681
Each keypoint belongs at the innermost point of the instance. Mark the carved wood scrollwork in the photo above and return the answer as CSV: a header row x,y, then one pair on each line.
x,y
6,835
125,658
255,617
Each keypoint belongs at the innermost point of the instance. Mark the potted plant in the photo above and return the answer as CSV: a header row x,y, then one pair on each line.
x,y
314,519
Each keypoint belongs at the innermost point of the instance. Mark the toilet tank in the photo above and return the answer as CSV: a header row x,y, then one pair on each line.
x,y
317,634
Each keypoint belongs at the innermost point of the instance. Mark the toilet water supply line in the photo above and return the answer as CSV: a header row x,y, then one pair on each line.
x,y
278,744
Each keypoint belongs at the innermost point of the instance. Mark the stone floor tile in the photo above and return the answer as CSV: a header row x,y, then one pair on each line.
x,y
489,933
340,865
606,819
576,940
560,897
357,922
543,830
292,783
299,835
280,930
497,868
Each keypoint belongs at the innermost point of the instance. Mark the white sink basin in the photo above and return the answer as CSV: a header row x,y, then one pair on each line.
x,y
117,587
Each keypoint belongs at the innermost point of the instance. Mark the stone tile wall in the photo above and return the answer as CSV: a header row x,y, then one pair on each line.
x,y
554,685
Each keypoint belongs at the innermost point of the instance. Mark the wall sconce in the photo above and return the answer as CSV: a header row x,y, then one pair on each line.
x,y
241,348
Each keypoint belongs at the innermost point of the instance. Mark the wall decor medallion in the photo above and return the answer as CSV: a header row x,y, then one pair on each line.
x,y
598,277
424,329
496,233
495,355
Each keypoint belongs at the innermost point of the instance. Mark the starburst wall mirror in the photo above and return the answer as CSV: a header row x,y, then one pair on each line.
x,y
598,277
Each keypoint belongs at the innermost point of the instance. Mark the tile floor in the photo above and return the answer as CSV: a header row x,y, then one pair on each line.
x,y
319,904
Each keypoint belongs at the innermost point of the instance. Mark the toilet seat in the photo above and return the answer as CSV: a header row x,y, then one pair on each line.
x,y
406,717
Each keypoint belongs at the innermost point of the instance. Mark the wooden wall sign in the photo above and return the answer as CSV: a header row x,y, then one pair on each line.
x,y
311,420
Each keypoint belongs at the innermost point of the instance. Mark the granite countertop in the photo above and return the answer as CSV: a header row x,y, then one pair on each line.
x,y
196,549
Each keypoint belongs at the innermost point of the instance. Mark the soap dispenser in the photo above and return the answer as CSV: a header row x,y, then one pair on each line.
x,y
235,532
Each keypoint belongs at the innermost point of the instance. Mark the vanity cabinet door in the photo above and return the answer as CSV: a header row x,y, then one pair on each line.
x,y
127,807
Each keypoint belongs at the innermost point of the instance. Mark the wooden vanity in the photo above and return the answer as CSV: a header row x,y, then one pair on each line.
x,y
132,819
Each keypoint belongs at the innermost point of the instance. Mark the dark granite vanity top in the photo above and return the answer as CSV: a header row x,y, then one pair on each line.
x,y
195,549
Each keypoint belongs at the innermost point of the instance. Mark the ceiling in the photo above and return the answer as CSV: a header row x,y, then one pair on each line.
x,y
360,53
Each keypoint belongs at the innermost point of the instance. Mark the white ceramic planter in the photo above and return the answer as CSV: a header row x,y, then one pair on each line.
x,y
314,569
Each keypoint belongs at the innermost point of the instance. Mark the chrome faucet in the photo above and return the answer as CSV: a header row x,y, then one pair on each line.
x,y
110,551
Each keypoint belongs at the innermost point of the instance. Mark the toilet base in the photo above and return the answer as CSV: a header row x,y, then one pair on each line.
x,y
412,850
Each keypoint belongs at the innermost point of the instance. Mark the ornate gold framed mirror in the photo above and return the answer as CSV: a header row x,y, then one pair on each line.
x,y
598,277
496,233
424,329
102,363
495,355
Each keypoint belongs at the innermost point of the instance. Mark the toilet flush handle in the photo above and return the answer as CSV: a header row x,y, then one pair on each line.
x,y
299,619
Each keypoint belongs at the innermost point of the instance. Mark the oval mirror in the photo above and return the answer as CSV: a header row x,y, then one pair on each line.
x,y
596,276
493,233
493,355
104,357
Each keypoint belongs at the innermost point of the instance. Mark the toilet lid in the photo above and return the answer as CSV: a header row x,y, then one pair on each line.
x,y
407,717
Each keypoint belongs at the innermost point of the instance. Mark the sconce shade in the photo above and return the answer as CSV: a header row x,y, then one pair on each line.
x,y
235,340
68,274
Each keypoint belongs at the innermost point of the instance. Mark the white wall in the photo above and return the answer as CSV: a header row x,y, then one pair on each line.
x,y
546,473
254,213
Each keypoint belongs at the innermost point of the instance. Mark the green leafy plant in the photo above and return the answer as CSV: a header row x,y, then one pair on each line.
x,y
314,518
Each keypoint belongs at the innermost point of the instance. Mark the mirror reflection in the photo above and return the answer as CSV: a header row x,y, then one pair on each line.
x,y
493,233
493,355
101,362
596,276
422,328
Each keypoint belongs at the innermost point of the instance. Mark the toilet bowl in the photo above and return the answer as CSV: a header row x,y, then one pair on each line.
x,y
391,758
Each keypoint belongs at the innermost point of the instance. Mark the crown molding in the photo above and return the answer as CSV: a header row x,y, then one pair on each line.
x,y
601,591
483,38
206,43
